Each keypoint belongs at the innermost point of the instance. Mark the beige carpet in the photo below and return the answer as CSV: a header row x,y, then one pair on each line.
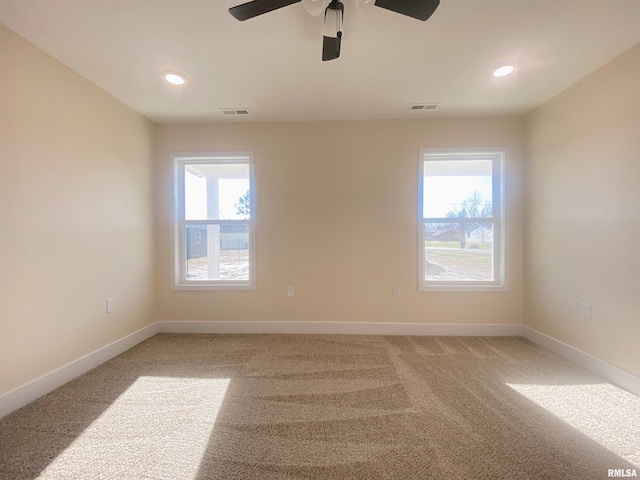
x,y
326,407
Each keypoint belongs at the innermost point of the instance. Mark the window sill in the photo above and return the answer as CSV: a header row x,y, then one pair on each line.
x,y
209,286
462,288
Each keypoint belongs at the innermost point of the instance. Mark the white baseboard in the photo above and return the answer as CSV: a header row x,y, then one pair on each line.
x,y
343,328
612,374
29,392
21,396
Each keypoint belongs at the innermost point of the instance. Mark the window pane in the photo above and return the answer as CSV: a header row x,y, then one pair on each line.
x,y
217,191
458,251
217,252
457,188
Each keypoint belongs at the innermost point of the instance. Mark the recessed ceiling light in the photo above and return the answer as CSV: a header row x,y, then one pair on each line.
x,y
174,78
504,71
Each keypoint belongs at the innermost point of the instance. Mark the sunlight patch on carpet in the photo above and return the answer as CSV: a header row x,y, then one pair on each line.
x,y
608,415
160,426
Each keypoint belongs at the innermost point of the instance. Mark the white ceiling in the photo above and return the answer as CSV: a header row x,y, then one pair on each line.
x,y
272,64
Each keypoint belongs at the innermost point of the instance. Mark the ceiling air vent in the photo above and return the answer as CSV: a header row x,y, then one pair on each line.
x,y
423,106
235,111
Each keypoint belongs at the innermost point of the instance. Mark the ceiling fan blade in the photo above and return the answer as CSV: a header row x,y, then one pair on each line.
x,y
258,7
419,9
330,48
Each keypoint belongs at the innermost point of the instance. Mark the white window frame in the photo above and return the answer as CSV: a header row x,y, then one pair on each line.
x,y
179,251
498,157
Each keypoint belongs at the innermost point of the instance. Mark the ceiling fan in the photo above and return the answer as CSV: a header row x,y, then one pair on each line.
x,y
334,14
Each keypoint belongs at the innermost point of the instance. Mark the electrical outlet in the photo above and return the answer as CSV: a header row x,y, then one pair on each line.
x,y
290,291
111,305
396,292
585,310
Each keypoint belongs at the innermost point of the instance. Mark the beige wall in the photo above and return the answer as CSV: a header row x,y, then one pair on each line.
x,y
77,212
583,214
336,218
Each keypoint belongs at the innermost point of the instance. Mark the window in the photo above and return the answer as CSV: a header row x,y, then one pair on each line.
x,y
214,221
461,233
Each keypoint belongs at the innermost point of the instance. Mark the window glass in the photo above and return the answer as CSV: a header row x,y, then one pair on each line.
x,y
458,251
214,192
461,226
230,261
214,237
460,188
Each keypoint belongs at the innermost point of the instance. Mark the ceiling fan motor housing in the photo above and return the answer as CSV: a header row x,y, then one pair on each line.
x,y
333,17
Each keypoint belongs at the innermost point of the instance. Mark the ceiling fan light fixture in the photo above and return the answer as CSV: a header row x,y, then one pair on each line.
x,y
315,7
504,70
174,78
364,7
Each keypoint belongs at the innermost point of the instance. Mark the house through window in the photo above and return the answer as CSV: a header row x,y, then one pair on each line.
x,y
214,228
461,243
